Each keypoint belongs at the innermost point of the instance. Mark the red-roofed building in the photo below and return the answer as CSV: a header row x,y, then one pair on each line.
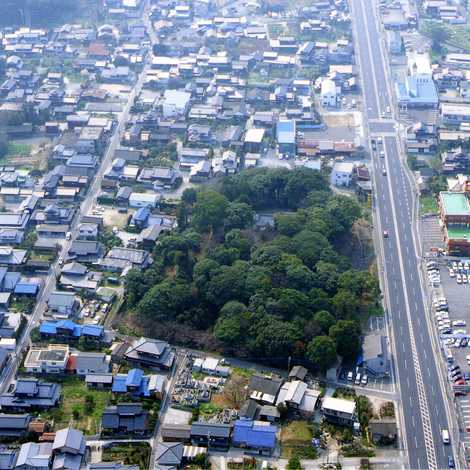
x,y
97,50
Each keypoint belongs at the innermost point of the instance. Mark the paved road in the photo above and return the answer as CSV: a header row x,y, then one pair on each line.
x,y
420,377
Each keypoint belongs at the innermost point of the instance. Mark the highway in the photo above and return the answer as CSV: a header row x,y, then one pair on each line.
x,y
420,376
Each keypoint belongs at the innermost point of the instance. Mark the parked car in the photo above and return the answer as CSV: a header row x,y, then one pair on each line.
x,y
364,379
350,376
358,379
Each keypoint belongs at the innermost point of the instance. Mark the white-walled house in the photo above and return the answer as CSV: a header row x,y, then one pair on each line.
x,y
328,93
341,174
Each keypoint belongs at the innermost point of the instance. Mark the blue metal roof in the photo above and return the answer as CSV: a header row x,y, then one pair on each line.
x,y
134,378
119,384
92,330
255,436
25,288
142,214
48,328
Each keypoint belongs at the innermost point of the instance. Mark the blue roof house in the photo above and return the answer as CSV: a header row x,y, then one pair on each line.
x,y
68,330
285,134
134,382
256,436
140,217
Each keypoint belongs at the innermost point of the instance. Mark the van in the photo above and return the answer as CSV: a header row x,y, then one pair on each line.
x,y
445,436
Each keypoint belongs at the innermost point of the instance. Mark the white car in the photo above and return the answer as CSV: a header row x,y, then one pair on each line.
x,y
451,272
459,323
350,376
459,279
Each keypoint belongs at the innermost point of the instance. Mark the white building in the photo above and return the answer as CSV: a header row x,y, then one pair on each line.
x,y
175,103
144,200
328,93
342,172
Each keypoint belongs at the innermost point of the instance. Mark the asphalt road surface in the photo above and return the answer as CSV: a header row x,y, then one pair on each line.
x,y
420,378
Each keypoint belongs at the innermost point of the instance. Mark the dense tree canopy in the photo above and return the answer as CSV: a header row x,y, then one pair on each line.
x,y
285,291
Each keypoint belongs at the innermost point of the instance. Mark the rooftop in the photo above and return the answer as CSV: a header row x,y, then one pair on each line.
x,y
455,203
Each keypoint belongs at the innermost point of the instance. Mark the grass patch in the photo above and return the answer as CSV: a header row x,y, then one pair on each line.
x,y
208,410
296,440
73,409
16,148
136,453
428,205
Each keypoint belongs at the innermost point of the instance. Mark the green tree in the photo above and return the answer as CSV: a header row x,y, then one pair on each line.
x,y
321,351
289,224
438,32
294,464
345,304
239,215
166,300
209,210
89,404
347,336
189,196
325,320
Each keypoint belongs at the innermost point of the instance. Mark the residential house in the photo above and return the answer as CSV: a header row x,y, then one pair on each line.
x,y
76,276
91,362
99,381
34,456
151,353
125,419
176,432
286,136
255,436
342,174
454,114
339,411
8,458
328,93
86,251
375,358
211,435
68,448
50,360
68,331
138,384
384,431
30,394
119,258
296,395
169,454
264,389
63,304
14,425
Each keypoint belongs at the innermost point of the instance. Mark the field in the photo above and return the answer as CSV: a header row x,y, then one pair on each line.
x,y
428,205
235,390
16,148
296,440
73,410
130,454
460,37
112,218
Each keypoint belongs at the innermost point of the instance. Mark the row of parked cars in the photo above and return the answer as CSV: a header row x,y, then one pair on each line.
x,y
460,271
359,379
434,275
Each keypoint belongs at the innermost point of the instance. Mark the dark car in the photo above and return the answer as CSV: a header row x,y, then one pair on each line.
x,y
385,233
451,462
